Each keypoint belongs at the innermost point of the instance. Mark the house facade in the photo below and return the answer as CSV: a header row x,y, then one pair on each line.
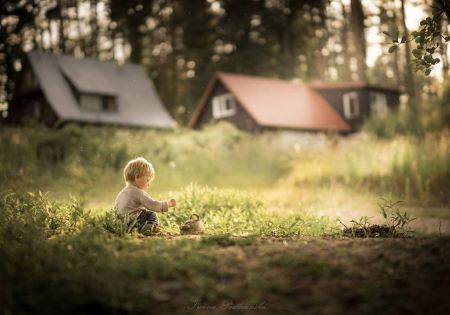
x,y
222,105
255,104
356,101
60,88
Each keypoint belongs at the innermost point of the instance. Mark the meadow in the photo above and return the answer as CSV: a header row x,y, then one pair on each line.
x,y
346,179
272,239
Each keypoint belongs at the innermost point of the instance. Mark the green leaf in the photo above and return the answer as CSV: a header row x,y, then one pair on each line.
x,y
393,49
395,37
387,34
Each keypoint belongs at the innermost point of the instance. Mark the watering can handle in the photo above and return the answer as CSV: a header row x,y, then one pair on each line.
x,y
198,217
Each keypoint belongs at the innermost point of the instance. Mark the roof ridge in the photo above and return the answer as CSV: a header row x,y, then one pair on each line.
x,y
363,83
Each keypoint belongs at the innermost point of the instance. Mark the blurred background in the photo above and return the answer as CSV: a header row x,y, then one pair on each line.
x,y
183,43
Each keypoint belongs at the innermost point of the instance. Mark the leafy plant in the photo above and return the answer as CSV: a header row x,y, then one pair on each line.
x,y
427,38
362,224
396,223
395,220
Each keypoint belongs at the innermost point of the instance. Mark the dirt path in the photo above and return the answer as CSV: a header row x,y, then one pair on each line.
x,y
326,276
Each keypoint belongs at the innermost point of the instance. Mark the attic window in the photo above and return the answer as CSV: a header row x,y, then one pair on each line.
x,y
30,79
97,103
378,103
351,105
224,106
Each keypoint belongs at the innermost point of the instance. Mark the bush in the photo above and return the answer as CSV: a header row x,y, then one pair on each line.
x,y
402,122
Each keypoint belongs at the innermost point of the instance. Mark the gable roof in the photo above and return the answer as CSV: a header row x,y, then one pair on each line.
x,y
350,85
138,103
276,103
88,76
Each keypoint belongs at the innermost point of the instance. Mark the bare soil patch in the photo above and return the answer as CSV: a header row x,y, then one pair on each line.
x,y
331,276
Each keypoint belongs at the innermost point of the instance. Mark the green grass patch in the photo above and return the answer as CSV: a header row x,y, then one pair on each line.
x,y
59,257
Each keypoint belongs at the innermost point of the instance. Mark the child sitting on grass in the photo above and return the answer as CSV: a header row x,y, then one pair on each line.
x,y
134,201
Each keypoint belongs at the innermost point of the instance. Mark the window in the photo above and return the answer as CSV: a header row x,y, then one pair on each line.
x,y
36,109
30,79
378,103
224,106
351,105
91,102
109,104
98,103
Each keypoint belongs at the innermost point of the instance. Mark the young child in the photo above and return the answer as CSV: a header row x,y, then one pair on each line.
x,y
134,201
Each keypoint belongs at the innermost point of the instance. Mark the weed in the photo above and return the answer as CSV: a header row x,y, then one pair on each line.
x,y
362,224
396,223
394,219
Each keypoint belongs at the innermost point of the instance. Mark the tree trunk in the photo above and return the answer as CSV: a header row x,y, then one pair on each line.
x,y
345,69
358,37
444,49
411,82
62,36
94,29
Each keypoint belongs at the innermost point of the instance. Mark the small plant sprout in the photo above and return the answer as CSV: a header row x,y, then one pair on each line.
x,y
396,223
394,219
362,224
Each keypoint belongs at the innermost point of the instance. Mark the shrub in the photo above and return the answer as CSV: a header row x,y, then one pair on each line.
x,y
401,122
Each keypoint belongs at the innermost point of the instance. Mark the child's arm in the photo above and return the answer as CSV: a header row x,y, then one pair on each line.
x,y
155,205
152,204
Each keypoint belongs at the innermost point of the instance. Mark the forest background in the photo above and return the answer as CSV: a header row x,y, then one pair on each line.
x,y
182,43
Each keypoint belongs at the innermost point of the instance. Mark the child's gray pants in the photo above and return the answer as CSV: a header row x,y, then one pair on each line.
x,y
149,217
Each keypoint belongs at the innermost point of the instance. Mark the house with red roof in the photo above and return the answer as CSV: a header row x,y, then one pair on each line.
x,y
255,104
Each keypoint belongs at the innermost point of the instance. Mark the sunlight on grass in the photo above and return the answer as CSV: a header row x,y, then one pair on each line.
x,y
353,172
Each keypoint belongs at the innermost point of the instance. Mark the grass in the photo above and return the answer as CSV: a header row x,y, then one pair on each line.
x,y
72,161
61,257
61,254
416,171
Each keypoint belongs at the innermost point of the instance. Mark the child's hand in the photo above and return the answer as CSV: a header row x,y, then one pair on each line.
x,y
172,203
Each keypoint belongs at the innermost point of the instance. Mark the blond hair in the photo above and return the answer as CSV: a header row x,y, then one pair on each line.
x,y
138,167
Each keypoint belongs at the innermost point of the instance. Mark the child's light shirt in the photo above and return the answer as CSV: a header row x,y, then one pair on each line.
x,y
132,200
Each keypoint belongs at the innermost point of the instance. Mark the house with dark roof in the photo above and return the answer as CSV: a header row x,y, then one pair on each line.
x,y
256,104
61,88
356,101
